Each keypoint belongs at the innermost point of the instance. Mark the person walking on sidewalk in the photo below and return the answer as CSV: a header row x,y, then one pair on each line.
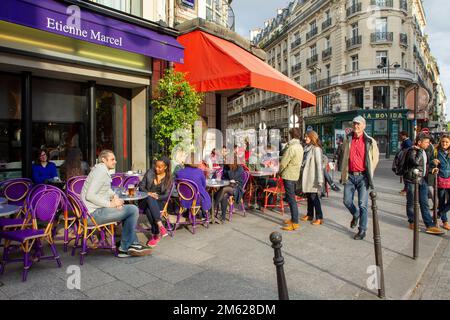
x,y
406,144
104,205
441,164
416,163
290,172
312,177
359,160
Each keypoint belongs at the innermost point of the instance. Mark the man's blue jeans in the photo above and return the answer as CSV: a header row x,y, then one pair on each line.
x,y
423,202
361,185
289,187
128,215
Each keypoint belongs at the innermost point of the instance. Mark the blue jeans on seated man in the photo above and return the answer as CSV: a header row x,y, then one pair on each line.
x,y
128,215
289,187
358,184
423,202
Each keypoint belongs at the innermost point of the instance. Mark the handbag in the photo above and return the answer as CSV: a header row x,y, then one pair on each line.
x,y
443,183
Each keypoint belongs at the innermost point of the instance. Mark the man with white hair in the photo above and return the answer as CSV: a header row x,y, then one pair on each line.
x,y
360,158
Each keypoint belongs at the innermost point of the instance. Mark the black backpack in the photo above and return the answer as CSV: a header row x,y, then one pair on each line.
x,y
398,166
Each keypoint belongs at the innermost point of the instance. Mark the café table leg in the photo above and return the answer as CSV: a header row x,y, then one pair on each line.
x,y
213,213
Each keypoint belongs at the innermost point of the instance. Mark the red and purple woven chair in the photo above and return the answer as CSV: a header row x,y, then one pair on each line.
x,y
87,230
189,199
43,208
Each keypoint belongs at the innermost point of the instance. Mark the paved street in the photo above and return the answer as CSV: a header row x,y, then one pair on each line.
x,y
234,261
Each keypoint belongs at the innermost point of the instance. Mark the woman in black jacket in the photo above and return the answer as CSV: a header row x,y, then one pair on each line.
x,y
157,182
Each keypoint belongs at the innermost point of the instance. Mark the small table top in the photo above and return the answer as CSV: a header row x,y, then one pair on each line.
x,y
8,209
261,173
133,174
213,183
139,195
3,200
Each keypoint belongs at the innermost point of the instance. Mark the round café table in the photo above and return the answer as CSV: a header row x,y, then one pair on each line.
x,y
259,174
139,195
8,209
213,186
3,200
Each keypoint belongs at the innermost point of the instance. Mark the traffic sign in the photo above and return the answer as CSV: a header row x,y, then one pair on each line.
x,y
425,130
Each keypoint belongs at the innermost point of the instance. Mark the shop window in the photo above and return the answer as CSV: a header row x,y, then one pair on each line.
x,y
10,127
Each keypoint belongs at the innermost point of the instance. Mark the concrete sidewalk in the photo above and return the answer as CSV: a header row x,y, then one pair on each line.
x,y
235,260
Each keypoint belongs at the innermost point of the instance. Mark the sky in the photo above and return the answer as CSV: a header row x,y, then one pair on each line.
x,y
251,14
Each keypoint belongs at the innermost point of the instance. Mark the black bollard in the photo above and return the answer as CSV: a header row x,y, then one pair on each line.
x,y
278,260
435,200
377,245
416,214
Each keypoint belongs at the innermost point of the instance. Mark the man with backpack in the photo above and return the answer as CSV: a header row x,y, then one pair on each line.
x,y
416,164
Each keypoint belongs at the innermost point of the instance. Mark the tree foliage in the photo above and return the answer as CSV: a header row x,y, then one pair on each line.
x,y
177,107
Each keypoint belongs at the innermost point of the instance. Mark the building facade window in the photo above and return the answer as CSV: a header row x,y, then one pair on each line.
x,y
381,58
355,30
355,62
356,98
381,97
401,98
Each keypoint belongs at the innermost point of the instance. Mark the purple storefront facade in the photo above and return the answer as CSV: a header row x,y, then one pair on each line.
x,y
74,74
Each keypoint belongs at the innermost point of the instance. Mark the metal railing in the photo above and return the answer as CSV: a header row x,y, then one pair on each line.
x,y
296,43
314,86
327,53
327,23
312,33
354,9
382,3
296,68
354,42
382,37
313,60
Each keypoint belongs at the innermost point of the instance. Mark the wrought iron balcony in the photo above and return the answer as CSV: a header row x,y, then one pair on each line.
x,y
296,43
354,42
382,3
327,23
354,9
311,61
382,37
312,33
296,68
404,39
326,53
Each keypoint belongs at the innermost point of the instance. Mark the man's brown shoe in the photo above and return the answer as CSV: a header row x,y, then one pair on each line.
x,y
306,218
434,230
291,227
446,226
317,222
411,226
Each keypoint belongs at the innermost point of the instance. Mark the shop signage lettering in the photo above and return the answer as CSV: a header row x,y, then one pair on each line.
x,y
383,115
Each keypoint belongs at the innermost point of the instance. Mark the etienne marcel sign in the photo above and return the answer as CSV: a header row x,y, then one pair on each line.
x,y
70,21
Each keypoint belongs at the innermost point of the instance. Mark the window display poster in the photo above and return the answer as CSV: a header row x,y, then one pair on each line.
x,y
339,135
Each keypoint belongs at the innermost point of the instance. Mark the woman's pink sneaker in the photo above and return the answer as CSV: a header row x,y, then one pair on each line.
x,y
163,232
153,242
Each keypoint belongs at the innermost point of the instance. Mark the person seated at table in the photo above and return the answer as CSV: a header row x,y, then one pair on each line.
x,y
235,189
106,207
73,165
157,182
43,169
192,172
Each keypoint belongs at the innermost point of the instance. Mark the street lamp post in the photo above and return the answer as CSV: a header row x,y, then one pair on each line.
x,y
386,64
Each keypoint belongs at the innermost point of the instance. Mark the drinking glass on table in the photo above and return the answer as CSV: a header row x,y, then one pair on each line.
x,y
131,190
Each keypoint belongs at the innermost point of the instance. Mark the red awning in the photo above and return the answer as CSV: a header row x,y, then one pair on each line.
x,y
214,64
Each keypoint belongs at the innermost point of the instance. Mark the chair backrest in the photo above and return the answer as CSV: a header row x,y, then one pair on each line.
x,y
188,192
46,205
30,199
78,205
75,184
16,190
245,178
134,180
117,179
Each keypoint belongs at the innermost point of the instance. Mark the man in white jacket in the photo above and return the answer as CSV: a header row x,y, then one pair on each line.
x,y
105,206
